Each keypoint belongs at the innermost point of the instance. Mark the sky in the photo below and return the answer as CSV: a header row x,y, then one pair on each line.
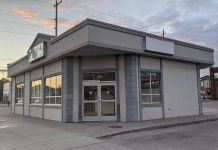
x,y
194,21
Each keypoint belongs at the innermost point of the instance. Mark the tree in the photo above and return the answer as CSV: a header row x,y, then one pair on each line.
x,y
2,81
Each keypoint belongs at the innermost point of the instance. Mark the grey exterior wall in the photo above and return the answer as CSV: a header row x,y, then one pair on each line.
x,y
98,62
67,97
132,89
52,68
26,93
113,38
76,88
13,94
121,86
36,73
20,78
199,90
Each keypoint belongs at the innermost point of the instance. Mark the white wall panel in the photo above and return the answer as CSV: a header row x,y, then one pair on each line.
x,y
36,111
52,114
149,113
19,109
180,89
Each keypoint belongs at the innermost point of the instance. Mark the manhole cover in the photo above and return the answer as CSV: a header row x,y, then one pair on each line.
x,y
116,126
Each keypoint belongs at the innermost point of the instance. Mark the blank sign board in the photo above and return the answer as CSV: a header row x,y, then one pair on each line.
x,y
159,46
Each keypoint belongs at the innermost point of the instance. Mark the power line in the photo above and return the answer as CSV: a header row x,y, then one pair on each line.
x,y
12,32
100,12
9,12
5,59
14,22
44,2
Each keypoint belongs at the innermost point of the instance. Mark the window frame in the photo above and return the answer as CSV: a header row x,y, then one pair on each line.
x,y
150,88
215,74
22,94
41,90
45,91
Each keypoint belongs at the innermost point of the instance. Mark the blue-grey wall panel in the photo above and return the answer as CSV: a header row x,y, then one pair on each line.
x,y
67,76
131,87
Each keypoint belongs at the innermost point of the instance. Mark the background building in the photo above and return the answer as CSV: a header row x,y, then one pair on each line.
x,y
3,79
214,82
6,91
205,87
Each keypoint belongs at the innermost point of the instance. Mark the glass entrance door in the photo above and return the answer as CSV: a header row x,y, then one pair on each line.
x,y
108,101
99,101
90,101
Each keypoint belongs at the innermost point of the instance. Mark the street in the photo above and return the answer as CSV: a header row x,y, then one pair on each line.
x,y
190,137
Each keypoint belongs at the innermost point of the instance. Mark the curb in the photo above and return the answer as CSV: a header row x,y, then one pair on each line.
x,y
158,127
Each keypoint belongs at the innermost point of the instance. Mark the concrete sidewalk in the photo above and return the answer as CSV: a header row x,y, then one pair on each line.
x,y
25,133
106,129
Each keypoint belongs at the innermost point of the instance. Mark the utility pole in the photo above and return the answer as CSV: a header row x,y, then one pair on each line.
x,y
163,34
56,17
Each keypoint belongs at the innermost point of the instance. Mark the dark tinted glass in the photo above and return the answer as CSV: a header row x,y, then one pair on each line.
x,y
155,83
102,76
145,83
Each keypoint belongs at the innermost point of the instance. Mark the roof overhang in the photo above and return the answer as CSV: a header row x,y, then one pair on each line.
x,y
92,37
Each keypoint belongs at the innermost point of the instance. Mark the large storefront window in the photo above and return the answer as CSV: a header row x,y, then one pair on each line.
x,y
36,92
19,93
150,87
53,90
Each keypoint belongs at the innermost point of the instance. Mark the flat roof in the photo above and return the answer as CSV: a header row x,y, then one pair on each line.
x,y
54,39
92,27
126,30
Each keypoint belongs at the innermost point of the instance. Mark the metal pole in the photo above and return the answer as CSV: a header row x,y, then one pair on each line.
x,y
56,16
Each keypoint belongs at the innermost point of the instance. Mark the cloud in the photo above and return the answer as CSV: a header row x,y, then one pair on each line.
x,y
47,23
67,25
31,17
26,14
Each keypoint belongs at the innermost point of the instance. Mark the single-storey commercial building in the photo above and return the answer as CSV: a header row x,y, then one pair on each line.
x,y
102,72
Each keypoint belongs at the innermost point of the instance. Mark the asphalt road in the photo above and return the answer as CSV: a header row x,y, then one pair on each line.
x,y
203,136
